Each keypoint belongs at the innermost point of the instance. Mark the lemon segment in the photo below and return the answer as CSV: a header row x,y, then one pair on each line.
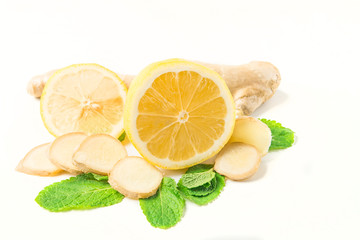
x,y
178,113
84,98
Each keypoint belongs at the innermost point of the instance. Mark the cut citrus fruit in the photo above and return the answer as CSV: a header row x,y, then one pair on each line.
x,y
178,113
83,98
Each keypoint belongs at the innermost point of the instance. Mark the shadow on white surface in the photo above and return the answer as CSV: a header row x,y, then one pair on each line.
x,y
259,174
279,98
233,238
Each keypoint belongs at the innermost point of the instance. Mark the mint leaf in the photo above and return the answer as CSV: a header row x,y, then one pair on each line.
x,y
203,200
282,137
166,207
203,190
196,179
84,191
122,137
205,193
93,176
206,184
199,168
100,177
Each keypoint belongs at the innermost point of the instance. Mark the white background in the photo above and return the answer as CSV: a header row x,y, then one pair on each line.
x,y
310,191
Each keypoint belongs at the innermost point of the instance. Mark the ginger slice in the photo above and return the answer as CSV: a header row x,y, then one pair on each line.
x,y
252,131
237,161
98,153
62,150
37,162
135,178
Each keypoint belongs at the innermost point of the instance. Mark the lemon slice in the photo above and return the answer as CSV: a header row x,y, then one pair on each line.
x,y
178,113
84,98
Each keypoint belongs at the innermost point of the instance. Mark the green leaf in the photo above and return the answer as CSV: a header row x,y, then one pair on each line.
x,y
84,191
100,177
199,168
193,180
205,186
93,176
282,137
205,193
203,190
166,207
203,200
122,137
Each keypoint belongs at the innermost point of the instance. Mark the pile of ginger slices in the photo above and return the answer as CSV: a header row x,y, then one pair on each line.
x,y
102,154
134,177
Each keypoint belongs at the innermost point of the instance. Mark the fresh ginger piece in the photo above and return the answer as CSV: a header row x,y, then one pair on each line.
x,y
62,150
135,178
37,162
252,131
250,84
99,153
37,83
237,161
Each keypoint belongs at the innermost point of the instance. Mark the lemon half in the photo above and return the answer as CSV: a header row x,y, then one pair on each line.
x,y
84,98
178,113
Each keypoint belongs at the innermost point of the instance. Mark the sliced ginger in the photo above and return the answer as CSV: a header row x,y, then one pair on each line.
x,y
135,178
99,153
63,148
37,162
237,161
252,131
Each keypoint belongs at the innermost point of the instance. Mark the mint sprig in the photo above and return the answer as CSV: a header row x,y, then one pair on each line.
x,y
196,179
208,191
85,191
203,190
166,207
282,137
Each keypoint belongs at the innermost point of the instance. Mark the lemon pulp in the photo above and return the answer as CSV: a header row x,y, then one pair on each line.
x,y
84,98
183,114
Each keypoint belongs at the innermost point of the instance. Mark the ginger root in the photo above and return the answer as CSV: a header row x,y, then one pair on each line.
x,y
63,148
37,162
135,178
37,83
250,84
237,161
252,131
98,153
